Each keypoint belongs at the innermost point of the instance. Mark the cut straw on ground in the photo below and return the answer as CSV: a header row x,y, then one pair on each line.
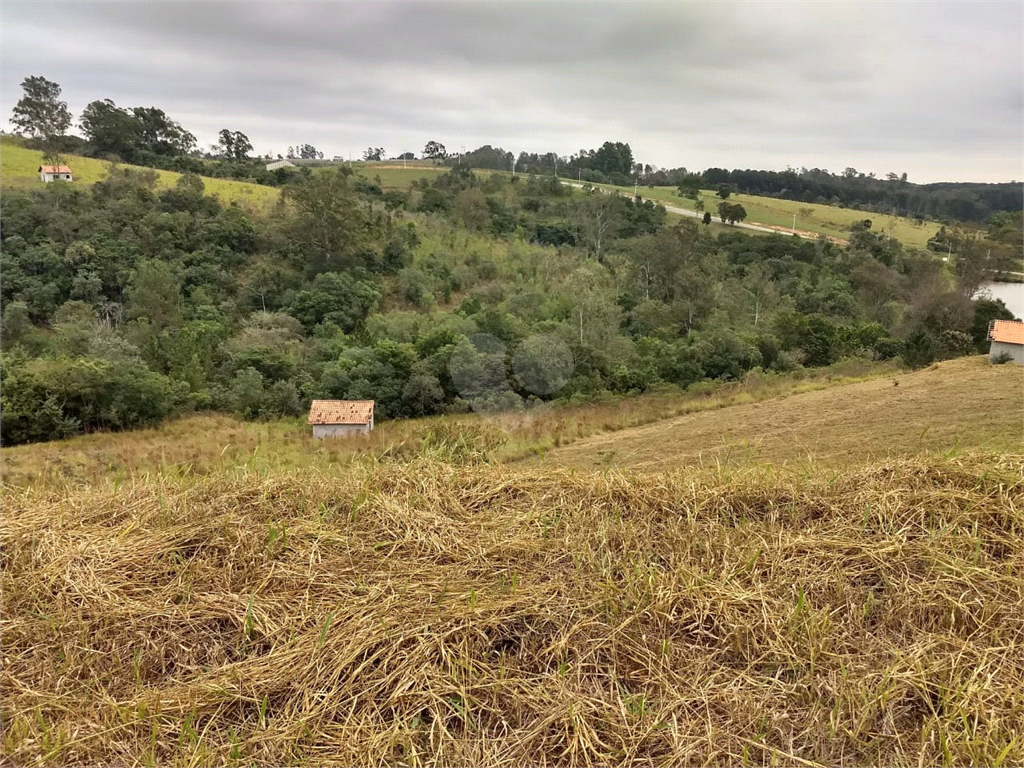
x,y
425,614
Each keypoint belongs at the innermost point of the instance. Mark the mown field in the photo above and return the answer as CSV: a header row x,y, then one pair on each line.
x,y
426,614
955,405
19,168
221,593
391,173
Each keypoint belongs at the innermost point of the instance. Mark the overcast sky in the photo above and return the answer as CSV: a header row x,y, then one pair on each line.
x,y
933,89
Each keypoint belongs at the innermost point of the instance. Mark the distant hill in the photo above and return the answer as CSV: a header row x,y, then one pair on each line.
x,y
809,219
893,195
19,169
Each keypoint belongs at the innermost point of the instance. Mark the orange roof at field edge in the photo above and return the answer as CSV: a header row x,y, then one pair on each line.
x,y
341,412
54,169
1007,331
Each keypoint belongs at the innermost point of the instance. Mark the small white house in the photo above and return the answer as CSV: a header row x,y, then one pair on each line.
x,y
48,173
1007,337
280,164
341,418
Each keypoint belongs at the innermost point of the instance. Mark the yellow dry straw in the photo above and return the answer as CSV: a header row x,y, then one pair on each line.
x,y
424,614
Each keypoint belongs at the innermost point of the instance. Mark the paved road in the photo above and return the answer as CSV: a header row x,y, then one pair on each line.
x,y
695,215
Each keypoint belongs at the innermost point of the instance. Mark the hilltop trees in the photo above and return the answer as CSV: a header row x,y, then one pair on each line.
x,y
305,152
110,129
962,201
613,158
234,145
130,134
41,114
434,150
161,135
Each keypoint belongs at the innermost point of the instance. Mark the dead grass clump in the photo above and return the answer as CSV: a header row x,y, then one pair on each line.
x,y
431,615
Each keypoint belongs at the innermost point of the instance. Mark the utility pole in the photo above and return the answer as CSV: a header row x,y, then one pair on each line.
x,y
794,223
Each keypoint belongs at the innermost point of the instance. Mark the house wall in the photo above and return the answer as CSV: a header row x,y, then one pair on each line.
x,y
320,431
1016,351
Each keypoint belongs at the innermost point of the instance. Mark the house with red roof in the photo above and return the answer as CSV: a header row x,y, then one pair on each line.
x,y
340,418
48,173
1007,337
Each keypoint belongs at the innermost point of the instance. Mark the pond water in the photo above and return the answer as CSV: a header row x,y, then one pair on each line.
x,y
1012,295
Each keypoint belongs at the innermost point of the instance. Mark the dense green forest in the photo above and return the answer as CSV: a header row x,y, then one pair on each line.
x,y
122,304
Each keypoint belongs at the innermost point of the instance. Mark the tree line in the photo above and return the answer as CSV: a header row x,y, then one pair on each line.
x,y
613,163
148,136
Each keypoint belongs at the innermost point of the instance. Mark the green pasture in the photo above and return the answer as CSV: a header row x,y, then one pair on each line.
x,y
19,168
810,217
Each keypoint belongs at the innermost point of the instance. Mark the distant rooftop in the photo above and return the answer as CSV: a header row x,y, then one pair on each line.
x,y
1007,331
341,412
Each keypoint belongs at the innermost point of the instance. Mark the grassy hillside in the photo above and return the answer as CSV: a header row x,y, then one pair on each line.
x,y
205,444
222,593
954,405
392,173
392,177
810,218
834,417
19,168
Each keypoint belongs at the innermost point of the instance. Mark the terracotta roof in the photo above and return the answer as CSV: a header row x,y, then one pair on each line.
x,y
54,169
341,412
1008,331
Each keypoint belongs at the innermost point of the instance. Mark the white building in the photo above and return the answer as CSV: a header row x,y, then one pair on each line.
x,y
1007,337
280,164
48,173
340,418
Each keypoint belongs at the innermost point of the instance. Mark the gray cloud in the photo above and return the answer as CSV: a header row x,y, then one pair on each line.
x,y
930,88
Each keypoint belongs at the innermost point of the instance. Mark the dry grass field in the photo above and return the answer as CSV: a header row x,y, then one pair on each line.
x,y
200,445
221,593
954,405
428,614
